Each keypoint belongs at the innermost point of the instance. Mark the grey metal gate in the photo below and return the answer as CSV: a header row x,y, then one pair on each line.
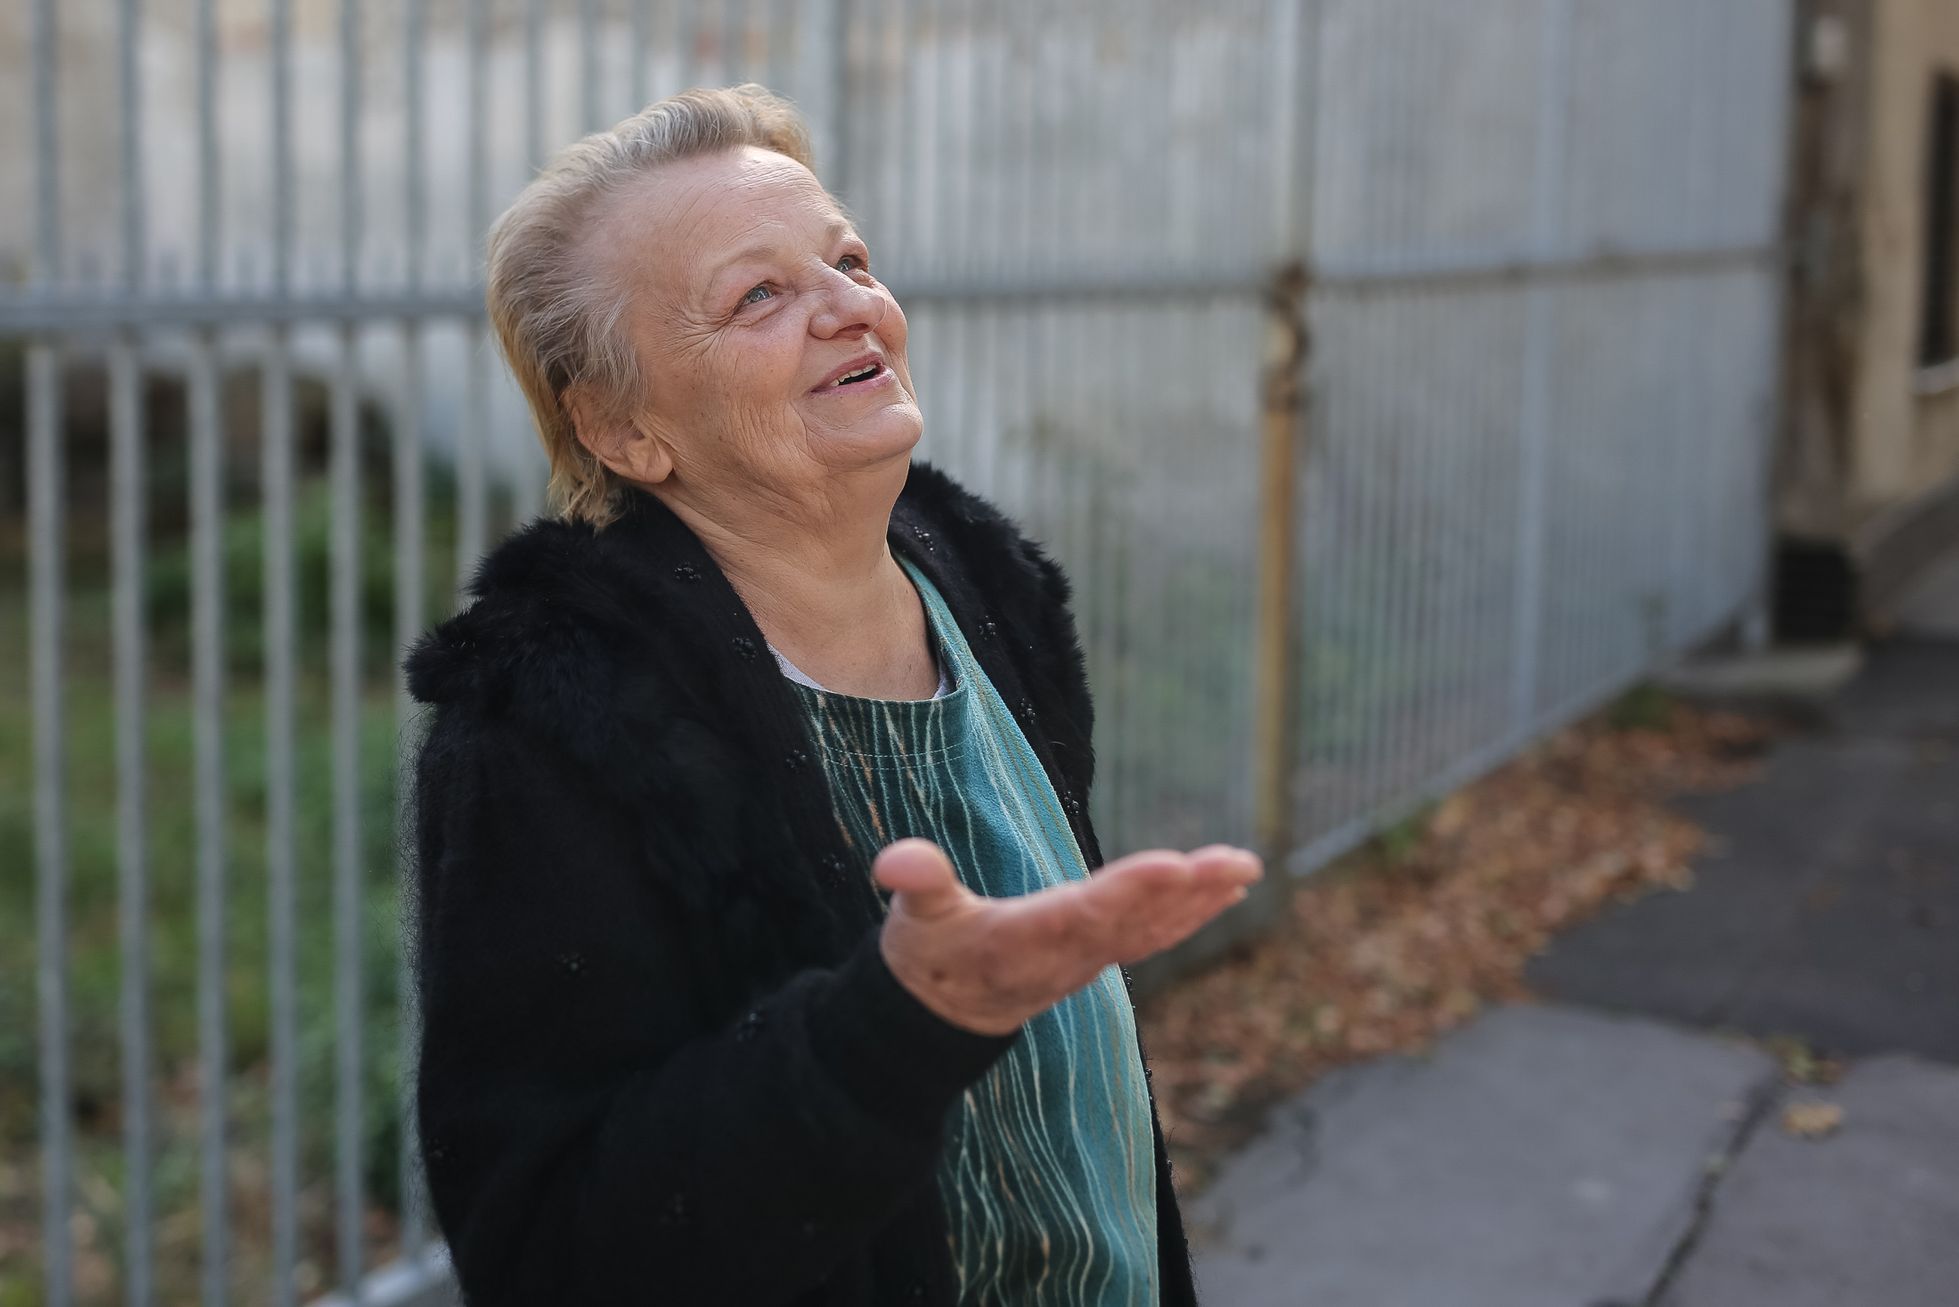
x,y
1395,378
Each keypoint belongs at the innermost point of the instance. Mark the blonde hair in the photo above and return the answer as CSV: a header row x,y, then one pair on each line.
x,y
558,323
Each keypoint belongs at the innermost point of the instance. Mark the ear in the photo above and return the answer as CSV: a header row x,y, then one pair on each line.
x,y
618,439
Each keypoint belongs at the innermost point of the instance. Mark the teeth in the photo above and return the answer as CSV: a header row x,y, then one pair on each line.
x,y
853,376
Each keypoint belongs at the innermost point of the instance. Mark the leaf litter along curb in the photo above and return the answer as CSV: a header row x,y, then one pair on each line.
x,y
1409,937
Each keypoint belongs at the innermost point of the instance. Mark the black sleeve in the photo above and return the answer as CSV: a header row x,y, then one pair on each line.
x,y
586,1141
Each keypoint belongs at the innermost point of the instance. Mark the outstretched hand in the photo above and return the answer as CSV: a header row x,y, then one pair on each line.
x,y
988,964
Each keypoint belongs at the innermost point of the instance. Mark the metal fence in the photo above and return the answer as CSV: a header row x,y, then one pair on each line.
x,y
1395,377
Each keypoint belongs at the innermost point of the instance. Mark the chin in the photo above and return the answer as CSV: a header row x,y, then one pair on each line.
x,y
892,431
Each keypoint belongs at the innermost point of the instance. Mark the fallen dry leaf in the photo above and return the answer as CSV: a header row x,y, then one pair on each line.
x,y
1812,1120
1393,946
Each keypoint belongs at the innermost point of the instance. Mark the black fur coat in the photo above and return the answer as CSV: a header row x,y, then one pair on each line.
x,y
663,1060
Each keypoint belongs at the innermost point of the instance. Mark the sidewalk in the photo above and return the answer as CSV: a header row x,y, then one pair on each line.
x,y
1626,1143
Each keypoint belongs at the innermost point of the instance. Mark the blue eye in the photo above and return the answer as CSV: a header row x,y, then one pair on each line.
x,y
854,259
750,297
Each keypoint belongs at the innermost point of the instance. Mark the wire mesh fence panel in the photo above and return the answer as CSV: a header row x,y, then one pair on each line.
x,y
1544,242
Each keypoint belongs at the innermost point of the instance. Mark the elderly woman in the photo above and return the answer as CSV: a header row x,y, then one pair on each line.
x,y
759,953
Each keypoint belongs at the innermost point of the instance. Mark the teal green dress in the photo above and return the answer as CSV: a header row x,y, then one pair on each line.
x,y
1048,1175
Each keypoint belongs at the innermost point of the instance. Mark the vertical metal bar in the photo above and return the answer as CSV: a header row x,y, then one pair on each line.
x,y
410,607
1419,582
1500,488
888,168
1695,446
47,173
1288,27
857,43
992,204
589,119
128,522
1330,584
1437,659
816,67
636,43
207,620
526,488
1758,616
731,40
471,490
970,245
1296,92
47,532
741,48
279,617
1364,450
1482,507
1392,537
687,23
1548,170
1126,801
129,130
778,51
207,617
346,697
529,488
924,128
415,139
966,235
410,604
282,167
534,147
1403,486
1069,326
276,472
346,814
132,880
701,19
1373,437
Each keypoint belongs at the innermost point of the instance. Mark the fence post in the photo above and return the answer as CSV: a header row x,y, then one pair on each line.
x,y
1554,91
1276,671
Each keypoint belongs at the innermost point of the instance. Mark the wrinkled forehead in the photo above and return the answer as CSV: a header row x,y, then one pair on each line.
x,y
682,220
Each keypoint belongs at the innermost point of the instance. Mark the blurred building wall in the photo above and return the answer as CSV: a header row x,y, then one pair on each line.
x,y
1868,490
1908,423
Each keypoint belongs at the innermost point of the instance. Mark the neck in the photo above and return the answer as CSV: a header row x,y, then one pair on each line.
x,y
816,573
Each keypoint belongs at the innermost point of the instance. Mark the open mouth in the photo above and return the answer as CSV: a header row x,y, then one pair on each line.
x,y
869,372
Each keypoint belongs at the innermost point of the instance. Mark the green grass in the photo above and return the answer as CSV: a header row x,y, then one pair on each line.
x,y
95,964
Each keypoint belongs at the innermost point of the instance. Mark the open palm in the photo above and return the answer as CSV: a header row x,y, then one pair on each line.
x,y
988,964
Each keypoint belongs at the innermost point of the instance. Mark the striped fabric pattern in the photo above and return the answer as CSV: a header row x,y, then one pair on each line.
x,y
1049,1169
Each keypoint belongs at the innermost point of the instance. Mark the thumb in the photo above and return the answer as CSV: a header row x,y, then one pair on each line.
x,y
919,869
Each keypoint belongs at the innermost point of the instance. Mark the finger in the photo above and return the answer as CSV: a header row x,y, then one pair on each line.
x,y
1113,906
1089,921
1225,864
921,871
1142,872
1171,919
1137,887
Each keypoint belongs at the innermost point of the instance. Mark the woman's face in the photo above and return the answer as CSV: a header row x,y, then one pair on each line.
x,y
754,294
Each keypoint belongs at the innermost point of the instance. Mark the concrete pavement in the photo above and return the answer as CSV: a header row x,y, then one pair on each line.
x,y
1868,1215
1555,1157
1623,1144
1541,1157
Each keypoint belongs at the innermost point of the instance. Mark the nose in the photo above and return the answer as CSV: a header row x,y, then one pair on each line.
x,y
850,309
